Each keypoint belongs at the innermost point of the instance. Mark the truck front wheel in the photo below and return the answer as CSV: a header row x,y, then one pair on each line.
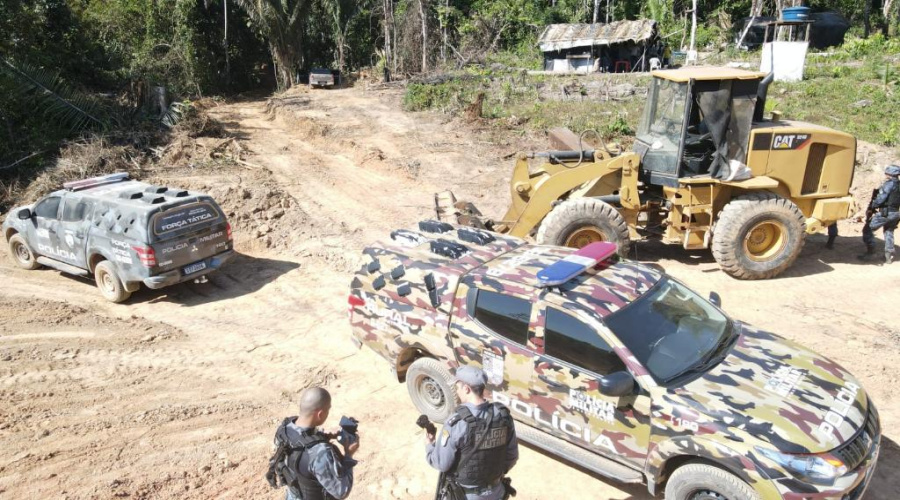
x,y
109,283
431,388
699,481
22,253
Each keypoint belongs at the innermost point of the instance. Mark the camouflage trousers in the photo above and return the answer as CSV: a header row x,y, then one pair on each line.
x,y
888,223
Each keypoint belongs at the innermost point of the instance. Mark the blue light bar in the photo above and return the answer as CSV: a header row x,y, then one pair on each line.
x,y
576,263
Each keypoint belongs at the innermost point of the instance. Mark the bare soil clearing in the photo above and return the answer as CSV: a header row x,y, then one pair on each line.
x,y
177,394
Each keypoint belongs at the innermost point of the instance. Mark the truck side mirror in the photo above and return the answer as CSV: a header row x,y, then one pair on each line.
x,y
715,299
24,214
617,384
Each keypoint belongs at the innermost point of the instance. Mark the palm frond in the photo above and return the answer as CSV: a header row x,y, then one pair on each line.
x,y
175,113
53,98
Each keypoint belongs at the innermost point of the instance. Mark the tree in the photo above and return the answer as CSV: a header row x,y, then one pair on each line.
x,y
282,23
342,13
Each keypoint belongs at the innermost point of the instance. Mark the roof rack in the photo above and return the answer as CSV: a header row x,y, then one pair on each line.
x,y
476,236
407,238
96,181
448,248
434,226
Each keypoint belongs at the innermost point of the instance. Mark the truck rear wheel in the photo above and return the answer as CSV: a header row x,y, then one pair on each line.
x,y
758,235
22,253
431,388
580,222
699,481
109,283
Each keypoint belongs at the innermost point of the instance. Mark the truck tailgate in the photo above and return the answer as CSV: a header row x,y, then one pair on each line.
x,y
184,250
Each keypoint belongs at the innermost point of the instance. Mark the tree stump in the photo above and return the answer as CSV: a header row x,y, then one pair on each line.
x,y
474,110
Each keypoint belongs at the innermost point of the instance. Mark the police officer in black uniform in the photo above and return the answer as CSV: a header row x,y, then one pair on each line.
x,y
477,446
307,462
886,206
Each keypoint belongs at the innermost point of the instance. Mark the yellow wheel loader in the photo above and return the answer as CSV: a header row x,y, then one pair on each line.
x,y
706,171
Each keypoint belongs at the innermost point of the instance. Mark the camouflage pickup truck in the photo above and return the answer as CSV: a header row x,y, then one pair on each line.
x,y
123,232
614,366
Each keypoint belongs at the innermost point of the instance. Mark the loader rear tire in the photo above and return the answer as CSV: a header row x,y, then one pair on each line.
x,y
579,222
758,235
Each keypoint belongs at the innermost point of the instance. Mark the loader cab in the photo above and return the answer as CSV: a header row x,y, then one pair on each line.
x,y
696,121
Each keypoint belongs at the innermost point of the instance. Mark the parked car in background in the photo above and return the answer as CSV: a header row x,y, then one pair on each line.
x,y
321,77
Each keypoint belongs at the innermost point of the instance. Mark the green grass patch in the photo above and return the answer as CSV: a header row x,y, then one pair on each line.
x,y
857,95
534,103
861,99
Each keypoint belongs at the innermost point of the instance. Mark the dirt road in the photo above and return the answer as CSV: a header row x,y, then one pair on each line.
x,y
177,394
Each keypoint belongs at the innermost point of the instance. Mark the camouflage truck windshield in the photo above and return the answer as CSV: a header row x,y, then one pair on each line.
x,y
621,369
671,330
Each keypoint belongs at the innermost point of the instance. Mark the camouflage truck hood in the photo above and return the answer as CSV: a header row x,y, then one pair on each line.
x,y
781,393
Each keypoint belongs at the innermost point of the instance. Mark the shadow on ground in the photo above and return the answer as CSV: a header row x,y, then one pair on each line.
x,y
634,491
885,483
815,258
242,275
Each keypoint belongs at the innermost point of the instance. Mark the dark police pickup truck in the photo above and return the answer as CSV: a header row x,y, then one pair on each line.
x,y
122,231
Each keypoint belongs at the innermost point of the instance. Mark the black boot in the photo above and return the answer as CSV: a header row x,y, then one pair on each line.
x,y
888,257
830,243
869,255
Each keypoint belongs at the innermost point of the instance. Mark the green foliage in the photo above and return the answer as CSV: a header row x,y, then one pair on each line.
x,y
709,35
532,102
46,94
860,100
875,45
618,127
451,96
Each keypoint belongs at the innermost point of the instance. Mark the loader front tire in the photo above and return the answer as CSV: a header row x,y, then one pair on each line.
x,y
758,236
579,222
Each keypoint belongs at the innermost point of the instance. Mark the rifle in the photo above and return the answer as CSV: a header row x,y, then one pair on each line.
x,y
870,210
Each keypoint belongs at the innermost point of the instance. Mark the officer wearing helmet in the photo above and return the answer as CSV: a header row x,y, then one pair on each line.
x,y
886,208
477,446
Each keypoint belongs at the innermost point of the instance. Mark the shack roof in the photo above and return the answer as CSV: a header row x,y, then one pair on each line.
x,y
567,36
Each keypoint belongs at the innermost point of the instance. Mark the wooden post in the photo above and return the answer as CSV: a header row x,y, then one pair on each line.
x,y
692,53
424,36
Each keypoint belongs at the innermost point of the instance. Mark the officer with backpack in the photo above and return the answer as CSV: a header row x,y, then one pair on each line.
x,y
305,460
476,447
885,209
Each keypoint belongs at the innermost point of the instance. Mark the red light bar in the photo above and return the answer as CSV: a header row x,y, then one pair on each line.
x,y
96,181
576,263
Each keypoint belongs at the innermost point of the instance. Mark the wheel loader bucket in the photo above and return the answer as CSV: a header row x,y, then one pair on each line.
x,y
446,208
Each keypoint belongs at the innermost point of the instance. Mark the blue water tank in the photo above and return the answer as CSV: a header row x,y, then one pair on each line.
x,y
795,14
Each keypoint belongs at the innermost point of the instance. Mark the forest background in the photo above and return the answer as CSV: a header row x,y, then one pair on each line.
x,y
71,68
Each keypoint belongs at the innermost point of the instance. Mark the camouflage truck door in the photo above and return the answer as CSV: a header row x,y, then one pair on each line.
x,y
574,354
491,328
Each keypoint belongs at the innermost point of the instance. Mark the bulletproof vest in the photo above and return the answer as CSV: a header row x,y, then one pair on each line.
x,y
294,469
893,201
482,459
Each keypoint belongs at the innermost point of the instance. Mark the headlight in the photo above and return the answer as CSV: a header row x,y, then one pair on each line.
x,y
815,468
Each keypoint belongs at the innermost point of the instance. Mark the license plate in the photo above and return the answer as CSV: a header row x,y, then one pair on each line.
x,y
193,268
